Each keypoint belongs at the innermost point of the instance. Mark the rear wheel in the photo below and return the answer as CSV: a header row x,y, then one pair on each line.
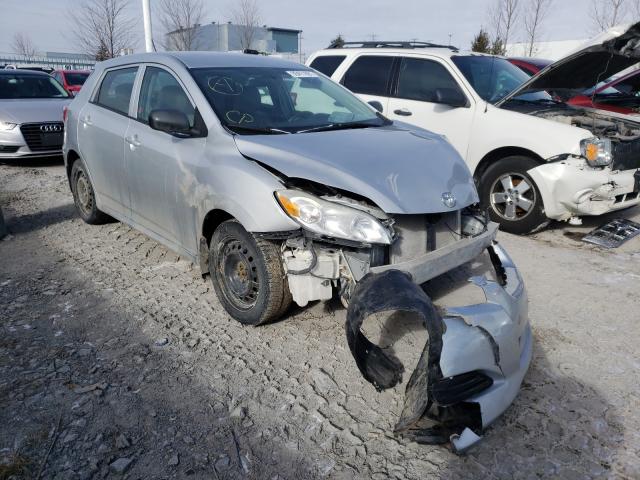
x,y
247,275
84,196
511,196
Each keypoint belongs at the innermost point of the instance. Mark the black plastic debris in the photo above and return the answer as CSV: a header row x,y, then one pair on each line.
x,y
434,409
614,233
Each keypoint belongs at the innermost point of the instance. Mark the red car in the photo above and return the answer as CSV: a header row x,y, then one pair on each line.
x,y
528,65
620,95
71,80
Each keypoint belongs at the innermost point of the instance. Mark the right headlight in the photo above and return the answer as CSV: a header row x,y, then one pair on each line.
x,y
6,126
597,151
331,219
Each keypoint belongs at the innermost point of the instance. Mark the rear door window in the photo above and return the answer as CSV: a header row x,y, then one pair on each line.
x,y
115,90
369,75
421,79
161,91
327,64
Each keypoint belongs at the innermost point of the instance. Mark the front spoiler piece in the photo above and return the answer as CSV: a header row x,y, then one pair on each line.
x,y
489,341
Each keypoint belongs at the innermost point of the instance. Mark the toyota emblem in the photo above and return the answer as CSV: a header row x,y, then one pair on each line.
x,y
448,200
49,128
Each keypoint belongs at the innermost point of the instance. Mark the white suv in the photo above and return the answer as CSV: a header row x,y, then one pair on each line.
x,y
533,156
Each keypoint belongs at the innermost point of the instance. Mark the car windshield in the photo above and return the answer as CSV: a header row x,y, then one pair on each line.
x,y
21,85
76,78
493,78
253,100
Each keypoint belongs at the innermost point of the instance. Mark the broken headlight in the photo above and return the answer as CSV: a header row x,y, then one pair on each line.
x,y
331,219
597,151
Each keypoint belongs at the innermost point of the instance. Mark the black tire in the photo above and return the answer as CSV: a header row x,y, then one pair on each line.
x,y
518,209
247,275
84,196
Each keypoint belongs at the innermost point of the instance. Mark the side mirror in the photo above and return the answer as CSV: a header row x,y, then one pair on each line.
x,y
376,104
451,97
173,122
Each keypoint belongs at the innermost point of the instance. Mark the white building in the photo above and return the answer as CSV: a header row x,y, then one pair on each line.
x,y
553,50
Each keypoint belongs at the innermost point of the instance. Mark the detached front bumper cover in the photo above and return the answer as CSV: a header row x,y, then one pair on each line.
x,y
472,365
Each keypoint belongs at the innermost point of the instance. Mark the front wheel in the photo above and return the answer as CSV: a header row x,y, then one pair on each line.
x,y
511,196
247,275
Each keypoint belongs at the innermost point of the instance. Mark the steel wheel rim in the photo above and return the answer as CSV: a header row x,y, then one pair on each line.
x,y
239,274
83,194
512,196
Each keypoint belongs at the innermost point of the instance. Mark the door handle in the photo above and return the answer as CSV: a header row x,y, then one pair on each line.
x,y
87,120
403,112
133,141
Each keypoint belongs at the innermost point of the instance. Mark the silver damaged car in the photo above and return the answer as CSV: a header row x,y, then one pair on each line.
x,y
284,187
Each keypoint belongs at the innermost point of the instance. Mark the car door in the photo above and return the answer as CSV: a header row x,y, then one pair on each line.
x,y
369,76
156,160
420,96
101,130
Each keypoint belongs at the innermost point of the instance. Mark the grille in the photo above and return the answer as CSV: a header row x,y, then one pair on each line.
x,y
420,234
39,141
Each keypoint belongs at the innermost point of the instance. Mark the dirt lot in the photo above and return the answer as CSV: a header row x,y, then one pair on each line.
x,y
117,359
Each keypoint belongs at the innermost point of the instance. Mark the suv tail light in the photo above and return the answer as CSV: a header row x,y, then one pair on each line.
x,y
65,111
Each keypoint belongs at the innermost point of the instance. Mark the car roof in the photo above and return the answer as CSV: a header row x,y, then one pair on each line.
x,y
22,71
73,71
434,51
204,60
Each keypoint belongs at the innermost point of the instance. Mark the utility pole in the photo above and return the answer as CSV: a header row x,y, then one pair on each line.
x,y
148,35
450,35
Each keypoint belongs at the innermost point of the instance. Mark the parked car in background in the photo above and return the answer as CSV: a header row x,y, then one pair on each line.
x,y
72,80
533,156
31,111
620,94
529,65
283,186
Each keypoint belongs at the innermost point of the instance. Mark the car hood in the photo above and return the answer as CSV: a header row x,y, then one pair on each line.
x,y
401,169
605,55
32,110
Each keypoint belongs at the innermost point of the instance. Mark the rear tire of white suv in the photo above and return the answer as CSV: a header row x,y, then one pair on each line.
x,y
511,196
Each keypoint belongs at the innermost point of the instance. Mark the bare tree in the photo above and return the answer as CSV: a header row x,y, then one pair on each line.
x,y
102,27
180,19
503,17
534,15
22,44
247,15
607,13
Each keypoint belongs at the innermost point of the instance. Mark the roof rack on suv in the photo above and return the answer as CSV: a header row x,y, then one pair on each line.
x,y
389,44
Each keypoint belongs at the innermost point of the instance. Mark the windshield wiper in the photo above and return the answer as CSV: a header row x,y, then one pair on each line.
x,y
242,128
338,126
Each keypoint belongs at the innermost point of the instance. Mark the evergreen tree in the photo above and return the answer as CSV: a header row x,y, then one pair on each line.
x,y
481,43
498,47
338,41
102,53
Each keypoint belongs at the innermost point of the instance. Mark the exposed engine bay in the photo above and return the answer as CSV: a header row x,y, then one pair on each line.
x,y
624,134
601,125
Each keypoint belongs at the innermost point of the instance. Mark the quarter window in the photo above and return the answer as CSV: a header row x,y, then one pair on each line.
x,y
115,90
423,79
369,75
327,64
161,91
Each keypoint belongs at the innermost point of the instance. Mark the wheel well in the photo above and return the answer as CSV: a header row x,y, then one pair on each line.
x,y
211,222
72,156
499,154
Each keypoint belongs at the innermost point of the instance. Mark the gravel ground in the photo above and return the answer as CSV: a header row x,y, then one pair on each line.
x,y
116,359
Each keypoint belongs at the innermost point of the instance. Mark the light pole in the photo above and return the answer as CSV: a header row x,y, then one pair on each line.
x,y
148,36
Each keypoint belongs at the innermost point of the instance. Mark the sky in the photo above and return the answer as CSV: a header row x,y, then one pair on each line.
x,y
48,24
